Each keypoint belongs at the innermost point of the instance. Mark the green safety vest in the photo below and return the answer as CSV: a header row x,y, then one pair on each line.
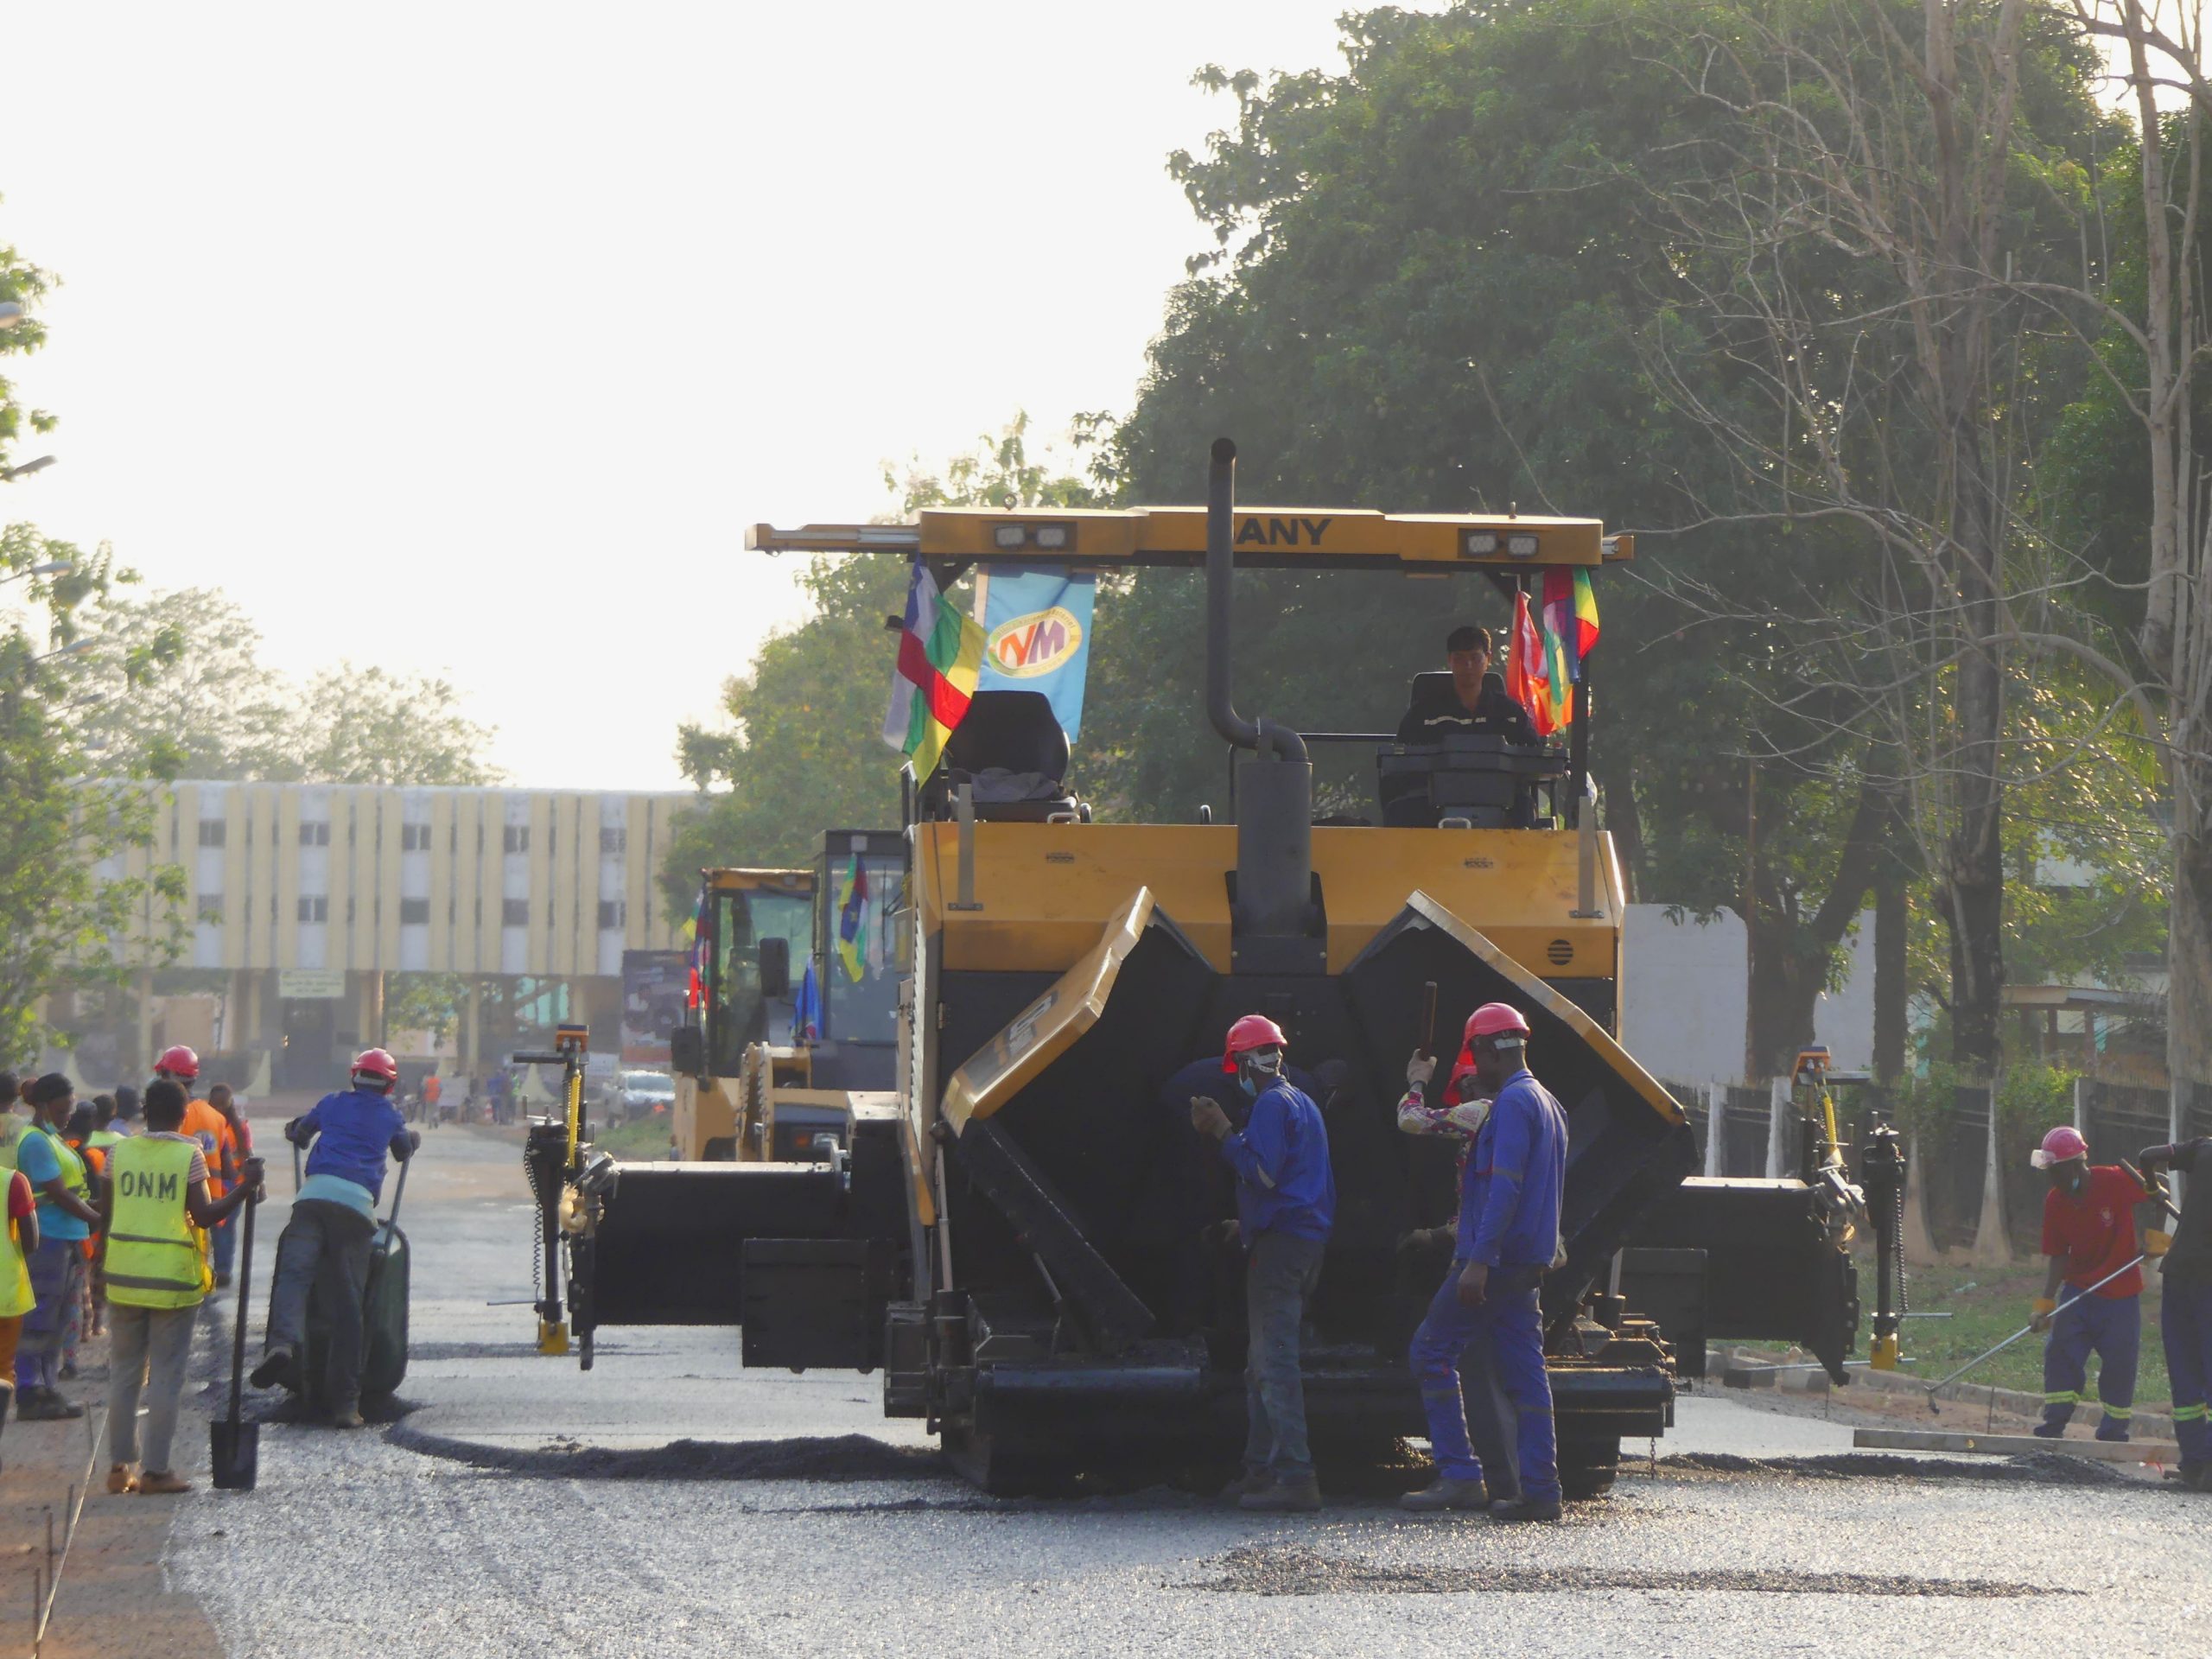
x,y
74,1175
16,1297
155,1254
103,1139
11,1137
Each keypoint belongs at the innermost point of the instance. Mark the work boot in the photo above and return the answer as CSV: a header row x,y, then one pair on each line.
x,y
2112,1433
44,1405
274,1366
347,1417
2047,1430
1445,1493
1284,1497
1252,1480
222,1281
122,1478
1526,1508
160,1483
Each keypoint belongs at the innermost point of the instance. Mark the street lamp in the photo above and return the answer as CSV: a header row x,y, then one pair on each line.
x,y
51,567
74,648
26,469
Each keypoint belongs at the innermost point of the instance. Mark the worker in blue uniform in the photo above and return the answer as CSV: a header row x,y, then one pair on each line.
x,y
1286,1206
2186,1306
1509,1238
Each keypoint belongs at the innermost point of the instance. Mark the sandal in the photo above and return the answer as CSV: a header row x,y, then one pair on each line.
x,y
122,1478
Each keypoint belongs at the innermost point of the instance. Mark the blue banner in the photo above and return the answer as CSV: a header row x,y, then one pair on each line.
x,y
1037,635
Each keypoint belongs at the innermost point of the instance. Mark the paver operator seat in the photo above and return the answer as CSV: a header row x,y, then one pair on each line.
x,y
1011,752
1477,775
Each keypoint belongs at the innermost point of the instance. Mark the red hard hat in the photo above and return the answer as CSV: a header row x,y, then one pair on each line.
x,y
1492,1018
2061,1143
375,1062
179,1062
1253,1031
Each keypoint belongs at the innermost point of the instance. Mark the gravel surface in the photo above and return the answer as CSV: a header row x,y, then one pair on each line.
x,y
669,1503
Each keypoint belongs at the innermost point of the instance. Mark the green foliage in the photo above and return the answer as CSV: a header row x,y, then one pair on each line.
x,y
61,914
25,284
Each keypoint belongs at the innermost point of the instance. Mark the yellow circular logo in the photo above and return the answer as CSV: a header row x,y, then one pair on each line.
x,y
1026,646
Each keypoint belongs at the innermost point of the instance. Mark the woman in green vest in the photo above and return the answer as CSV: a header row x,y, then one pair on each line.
x,y
156,1216
66,1219
18,1239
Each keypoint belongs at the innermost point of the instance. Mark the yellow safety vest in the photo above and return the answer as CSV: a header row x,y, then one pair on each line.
x,y
155,1257
74,1175
103,1139
16,1297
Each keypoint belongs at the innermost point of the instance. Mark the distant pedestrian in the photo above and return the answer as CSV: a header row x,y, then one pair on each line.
x,y
1286,1206
327,1241
65,1220
127,1108
84,1320
1510,1187
108,1126
18,1243
2088,1233
158,1275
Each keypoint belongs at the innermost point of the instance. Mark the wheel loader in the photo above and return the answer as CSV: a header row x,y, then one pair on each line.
x,y
1019,1232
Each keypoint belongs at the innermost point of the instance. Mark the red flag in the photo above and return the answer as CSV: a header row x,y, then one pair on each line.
x,y
1527,676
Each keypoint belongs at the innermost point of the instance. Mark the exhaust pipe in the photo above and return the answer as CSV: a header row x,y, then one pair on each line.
x,y
1271,923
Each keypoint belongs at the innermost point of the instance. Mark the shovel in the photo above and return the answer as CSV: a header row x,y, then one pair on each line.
x,y
234,1447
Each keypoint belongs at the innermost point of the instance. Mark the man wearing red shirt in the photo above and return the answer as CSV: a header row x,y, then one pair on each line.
x,y
2088,1233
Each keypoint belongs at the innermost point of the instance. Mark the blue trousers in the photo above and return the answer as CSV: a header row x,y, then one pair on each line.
x,y
2185,1321
2108,1326
1280,1273
57,1269
1507,1331
224,1240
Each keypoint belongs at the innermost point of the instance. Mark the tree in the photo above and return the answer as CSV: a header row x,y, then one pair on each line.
x,y
355,725
799,749
61,915
24,284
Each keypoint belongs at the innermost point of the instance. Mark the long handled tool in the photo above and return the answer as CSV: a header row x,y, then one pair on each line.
x,y
2157,1192
234,1446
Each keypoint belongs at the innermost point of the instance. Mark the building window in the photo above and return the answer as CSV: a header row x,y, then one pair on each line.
x,y
613,912
316,909
413,912
211,906
414,837
614,841
518,838
314,834
515,912
212,832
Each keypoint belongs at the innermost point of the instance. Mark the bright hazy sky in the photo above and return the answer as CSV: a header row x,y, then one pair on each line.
x,y
468,337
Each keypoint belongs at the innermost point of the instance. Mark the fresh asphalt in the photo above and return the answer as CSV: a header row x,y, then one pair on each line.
x,y
670,1502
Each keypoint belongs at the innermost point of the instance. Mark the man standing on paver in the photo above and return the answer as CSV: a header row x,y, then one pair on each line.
x,y
2088,1233
1286,1205
2186,1306
1509,1192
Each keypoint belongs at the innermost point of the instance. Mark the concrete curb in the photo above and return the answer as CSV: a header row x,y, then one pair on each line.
x,y
1736,1368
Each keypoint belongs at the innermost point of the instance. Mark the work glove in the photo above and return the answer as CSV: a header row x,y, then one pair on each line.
x,y
2156,1243
295,1132
1420,1069
2044,1307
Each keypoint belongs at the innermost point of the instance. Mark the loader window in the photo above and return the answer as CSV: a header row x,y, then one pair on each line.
x,y
741,1016
861,956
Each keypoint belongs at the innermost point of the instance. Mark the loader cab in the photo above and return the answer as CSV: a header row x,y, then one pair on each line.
x,y
860,954
761,923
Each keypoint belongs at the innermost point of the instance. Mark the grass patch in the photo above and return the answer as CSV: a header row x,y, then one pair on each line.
x,y
1987,1306
641,1139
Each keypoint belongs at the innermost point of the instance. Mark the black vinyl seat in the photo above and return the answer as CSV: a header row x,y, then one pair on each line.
x,y
1009,749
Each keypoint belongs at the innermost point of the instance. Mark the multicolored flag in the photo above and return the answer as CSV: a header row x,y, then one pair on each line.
x,y
1037,635
1571,618
940,653
694,991
1529,671
852,920
806,1012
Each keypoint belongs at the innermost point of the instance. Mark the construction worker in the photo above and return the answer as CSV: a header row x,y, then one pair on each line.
x,y
65,1220
2186,1306
1507,1238
238,1144
1286,1205
2088,1233
327,1240
157,1206
181,1065
1479,703
108,1124
18,1243
12,1122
